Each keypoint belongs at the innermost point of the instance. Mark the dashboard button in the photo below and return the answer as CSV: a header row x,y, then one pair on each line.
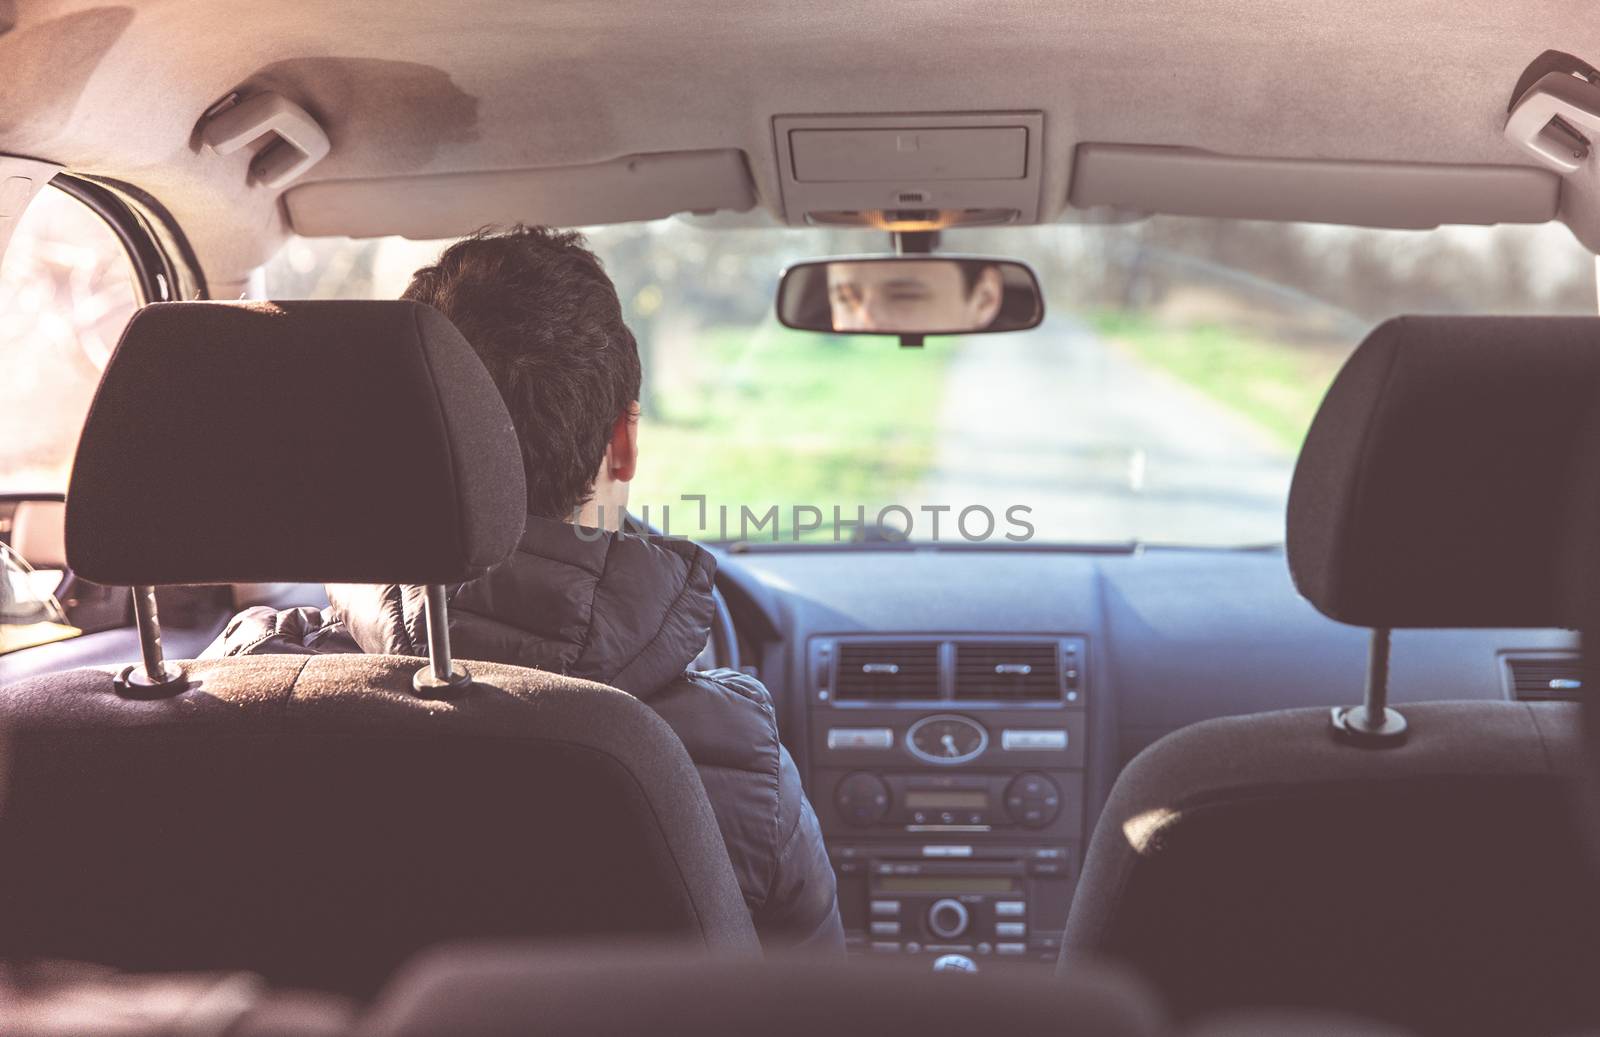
x,y
1010,908
1008,929
889,908
1011,948
862,798
893,929
885,948
1033,799
1014,740
860,738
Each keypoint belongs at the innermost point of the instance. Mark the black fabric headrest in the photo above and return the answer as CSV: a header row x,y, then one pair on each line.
x,y
350,442
1432,488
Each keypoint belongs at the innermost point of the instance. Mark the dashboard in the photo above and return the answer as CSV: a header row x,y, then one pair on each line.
x,y
961,714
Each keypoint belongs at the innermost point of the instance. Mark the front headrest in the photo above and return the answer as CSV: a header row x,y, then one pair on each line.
x,y
349,442
1432,488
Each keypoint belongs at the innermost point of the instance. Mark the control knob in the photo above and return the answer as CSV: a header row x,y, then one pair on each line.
x,y
1033,800
947,918
863,799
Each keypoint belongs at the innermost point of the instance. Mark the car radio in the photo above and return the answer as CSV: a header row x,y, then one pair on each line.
x,y
1004,902
948,772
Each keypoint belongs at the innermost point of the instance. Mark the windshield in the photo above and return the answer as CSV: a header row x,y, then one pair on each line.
x,y
1163,399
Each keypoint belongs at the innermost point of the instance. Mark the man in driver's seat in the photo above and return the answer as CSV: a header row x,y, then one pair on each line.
x,y
625,610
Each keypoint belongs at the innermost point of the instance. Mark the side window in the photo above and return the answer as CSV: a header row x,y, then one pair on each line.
x,y
66,291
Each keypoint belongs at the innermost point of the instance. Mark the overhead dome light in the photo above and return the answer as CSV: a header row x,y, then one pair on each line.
x,y
909,220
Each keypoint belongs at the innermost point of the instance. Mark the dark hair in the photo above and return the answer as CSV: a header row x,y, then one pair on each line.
x,y
970,272
543,316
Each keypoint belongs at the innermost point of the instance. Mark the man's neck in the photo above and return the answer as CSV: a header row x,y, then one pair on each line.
x,y
599,516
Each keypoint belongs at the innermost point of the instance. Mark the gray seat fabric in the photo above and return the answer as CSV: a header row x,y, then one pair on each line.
x,y
312,820
622,989
1431,488
580,991
318,442
1442,883
1254,861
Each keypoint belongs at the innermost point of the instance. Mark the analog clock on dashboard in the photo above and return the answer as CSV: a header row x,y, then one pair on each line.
x,y
947,738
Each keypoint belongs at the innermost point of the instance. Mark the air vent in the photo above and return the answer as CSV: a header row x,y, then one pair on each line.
x,y
1009,671
888,670
1545,678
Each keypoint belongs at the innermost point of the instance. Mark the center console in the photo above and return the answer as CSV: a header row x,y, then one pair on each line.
x,y
948,774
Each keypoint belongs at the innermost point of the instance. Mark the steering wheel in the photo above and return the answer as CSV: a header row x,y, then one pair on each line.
x,y
722,647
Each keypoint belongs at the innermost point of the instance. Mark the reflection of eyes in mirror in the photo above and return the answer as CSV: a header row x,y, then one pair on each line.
x,y
910,295
913,295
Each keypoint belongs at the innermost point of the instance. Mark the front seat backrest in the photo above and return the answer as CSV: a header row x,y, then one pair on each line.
x,y
567,992
314,819
1439,882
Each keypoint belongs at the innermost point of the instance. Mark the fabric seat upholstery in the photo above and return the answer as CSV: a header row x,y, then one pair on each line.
x,y
315,820
567,992
1254,861
1441,883
312,820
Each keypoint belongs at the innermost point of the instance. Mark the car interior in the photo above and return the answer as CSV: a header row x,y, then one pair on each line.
x,y
1150,456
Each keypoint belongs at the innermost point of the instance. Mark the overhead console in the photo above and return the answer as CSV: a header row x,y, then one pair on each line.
x,y
948,773
910,172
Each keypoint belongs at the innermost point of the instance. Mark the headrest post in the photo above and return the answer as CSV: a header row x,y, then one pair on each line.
x,y
1376,698
441,678
156,679
1373,724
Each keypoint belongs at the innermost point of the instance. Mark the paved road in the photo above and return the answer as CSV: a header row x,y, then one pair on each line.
x,y
1100,446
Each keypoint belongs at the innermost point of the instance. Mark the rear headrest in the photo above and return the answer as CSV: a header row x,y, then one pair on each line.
x,y
1432,488
352,442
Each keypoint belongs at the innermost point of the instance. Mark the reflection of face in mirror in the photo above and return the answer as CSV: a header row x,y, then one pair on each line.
x,y
914,295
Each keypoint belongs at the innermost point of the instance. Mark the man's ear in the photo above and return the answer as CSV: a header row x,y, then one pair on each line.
x,y
622,453
987,295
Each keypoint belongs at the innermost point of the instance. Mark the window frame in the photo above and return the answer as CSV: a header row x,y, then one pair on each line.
x,y
156,277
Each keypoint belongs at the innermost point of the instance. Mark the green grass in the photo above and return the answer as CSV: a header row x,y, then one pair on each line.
x,y
1276,386
770,416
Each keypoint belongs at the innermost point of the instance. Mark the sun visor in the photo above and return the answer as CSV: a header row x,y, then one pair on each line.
x,y
447,205
1407,195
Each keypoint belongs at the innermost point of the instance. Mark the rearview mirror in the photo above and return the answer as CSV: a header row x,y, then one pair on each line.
x,y
910,295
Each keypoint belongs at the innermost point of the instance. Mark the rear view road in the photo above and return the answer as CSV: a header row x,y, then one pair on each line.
x,y
1099,445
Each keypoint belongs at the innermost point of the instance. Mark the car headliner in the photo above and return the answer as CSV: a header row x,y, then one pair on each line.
x,y
406,88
